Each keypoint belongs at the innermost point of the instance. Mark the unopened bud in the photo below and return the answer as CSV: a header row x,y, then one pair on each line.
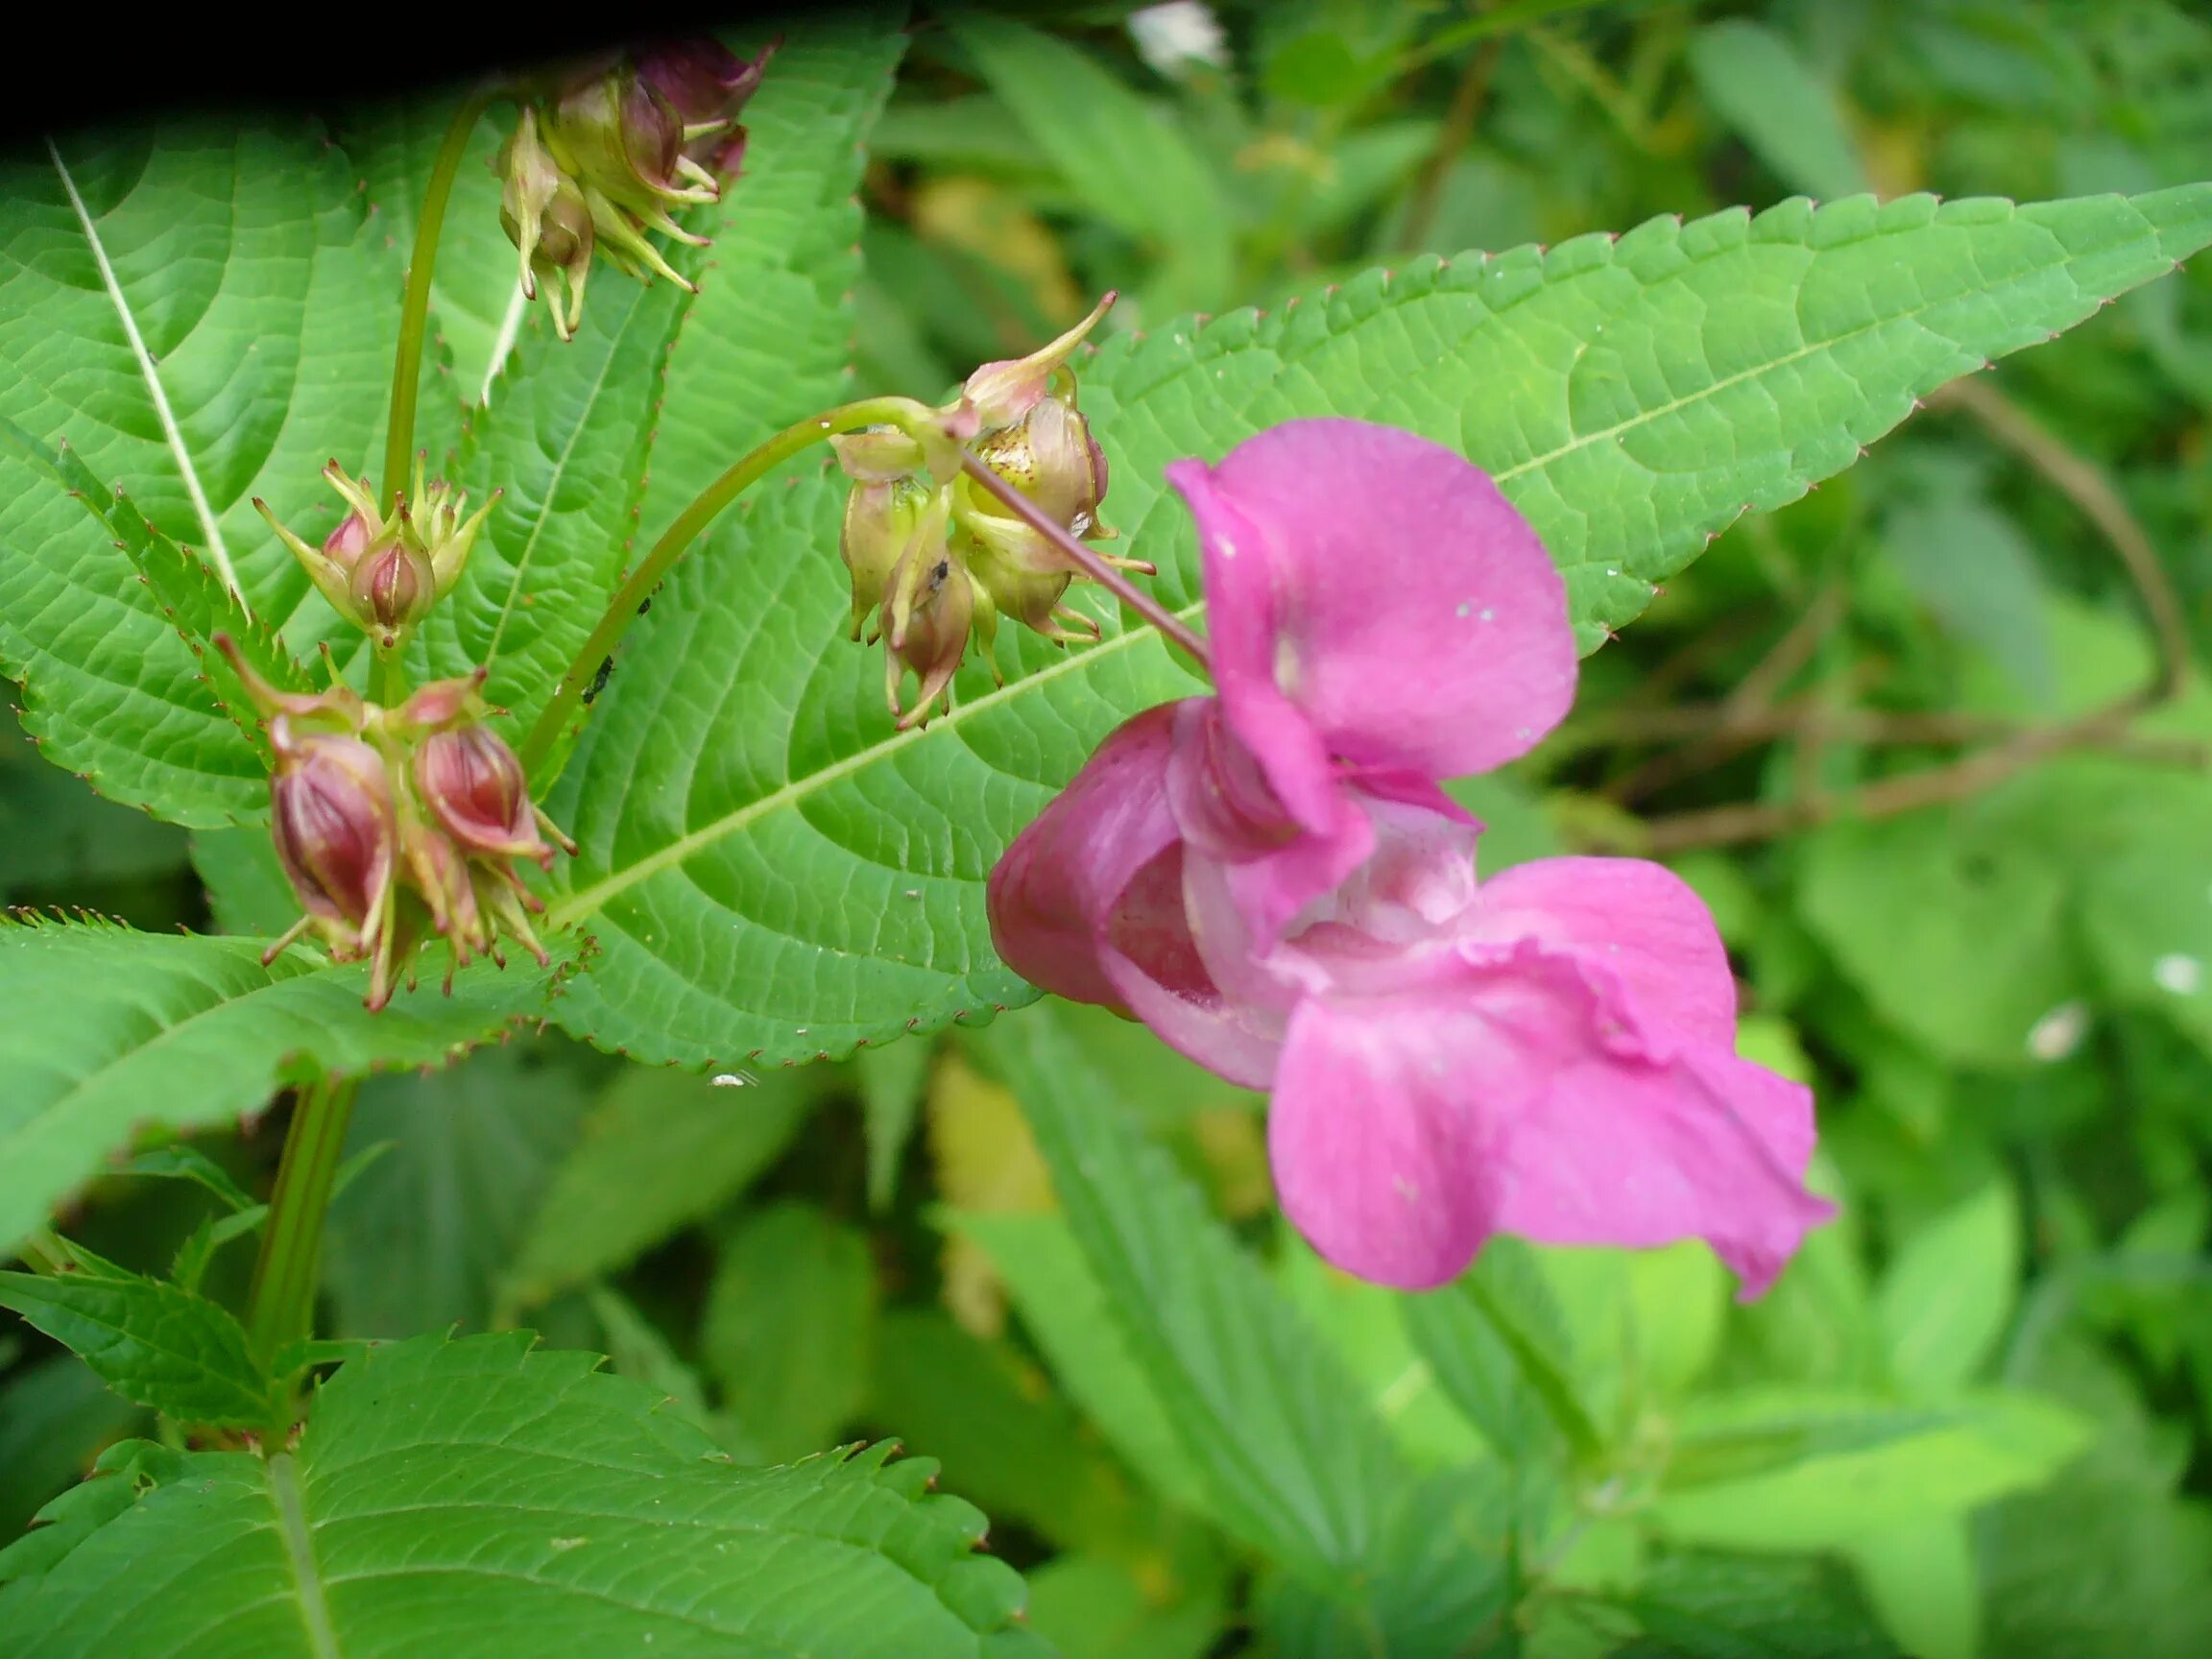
x,y
474,786
345,546
332,824
392,589
928,617
1002,393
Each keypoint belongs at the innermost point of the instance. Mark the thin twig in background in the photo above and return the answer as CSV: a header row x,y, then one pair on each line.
x,y
2103,728
1467,100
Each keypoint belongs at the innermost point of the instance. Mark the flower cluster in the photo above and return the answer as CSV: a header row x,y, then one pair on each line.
x,y
607,150
394,823
936,556
384,573
1272,879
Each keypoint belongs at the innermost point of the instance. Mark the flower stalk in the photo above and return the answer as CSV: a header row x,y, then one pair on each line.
x,y
415,304
1086,560
749,470
281,1306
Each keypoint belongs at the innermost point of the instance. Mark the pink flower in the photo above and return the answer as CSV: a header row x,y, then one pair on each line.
x,y
1271,878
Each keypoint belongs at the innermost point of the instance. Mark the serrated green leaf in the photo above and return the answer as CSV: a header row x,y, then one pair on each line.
x,y
656,1151
109,1029
154,1343
180,1161
1437,1584
789,1322
473,1496
1713,1607
788,875
1290,1456
566,441
196,602
1499,1347
1006,1439
391,149
205,316
1948,1295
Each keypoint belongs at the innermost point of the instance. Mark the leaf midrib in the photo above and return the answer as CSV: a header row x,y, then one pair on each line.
x,y
292,1525
586,900
151,374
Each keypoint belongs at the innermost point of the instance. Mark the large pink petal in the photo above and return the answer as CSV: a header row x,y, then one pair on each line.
x,y
1407,1128
1380,585
1051,892
1087,903
1640,920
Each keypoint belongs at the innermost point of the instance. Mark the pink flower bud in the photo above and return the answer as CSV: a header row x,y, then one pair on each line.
x,y
332,823
345,546
474,787
390,588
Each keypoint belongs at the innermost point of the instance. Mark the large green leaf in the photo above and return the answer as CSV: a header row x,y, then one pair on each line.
x,y
205,316
109,1030
772,870
479,1499
1289,1455
155,1343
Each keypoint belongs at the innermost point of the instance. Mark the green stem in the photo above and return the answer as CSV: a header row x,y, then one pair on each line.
x,y
281,1305
391,679
632,595
414,307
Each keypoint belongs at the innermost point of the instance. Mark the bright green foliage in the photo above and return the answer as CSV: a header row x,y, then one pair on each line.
x,y
1787,1470
1948,1294
203,316
111,1030
769,339
153,1342
790,877
494,1494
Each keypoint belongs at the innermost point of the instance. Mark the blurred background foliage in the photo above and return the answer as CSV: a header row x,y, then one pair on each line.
x,y
1929,743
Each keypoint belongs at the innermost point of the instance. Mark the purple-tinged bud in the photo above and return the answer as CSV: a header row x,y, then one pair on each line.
x,y
393,588
333,829
474,787
708,86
